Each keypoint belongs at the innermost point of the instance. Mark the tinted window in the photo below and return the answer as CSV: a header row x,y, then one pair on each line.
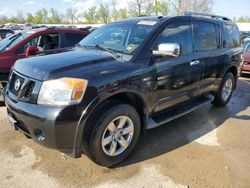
x,y
232,36
208,36
71,39
178,32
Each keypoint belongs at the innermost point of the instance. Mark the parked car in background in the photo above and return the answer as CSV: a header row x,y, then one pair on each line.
x,y
5,33
35,42
121,80
245,67
245,41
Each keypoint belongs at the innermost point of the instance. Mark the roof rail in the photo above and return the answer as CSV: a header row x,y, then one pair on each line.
x,y
187,13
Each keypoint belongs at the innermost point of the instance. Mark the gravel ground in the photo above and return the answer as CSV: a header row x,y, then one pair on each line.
x,y
206,148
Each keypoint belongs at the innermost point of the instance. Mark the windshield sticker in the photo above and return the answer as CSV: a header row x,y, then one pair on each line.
x,y
131,48
146,23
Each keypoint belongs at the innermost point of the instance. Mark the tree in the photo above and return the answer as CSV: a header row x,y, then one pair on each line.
x,y
204,6
72,15
243,19
55,16
161,7
136,8
29,18
103,13
41,16
91,15
115,13
156,7
180,6
3,19
123,14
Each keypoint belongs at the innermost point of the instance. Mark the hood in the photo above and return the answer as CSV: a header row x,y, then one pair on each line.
x,y
64,64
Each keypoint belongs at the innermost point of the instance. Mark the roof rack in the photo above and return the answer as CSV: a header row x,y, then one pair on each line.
x,y
187,13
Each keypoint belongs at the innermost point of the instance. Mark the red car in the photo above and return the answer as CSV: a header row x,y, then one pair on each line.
x,y
245,68
34,42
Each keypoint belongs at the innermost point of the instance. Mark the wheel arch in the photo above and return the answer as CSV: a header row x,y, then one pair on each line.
x,y
234,71
135,98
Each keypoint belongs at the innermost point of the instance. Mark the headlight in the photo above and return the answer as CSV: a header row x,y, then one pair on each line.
x,y
63,91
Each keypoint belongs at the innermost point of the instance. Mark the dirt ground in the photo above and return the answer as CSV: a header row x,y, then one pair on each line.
x,y
209,147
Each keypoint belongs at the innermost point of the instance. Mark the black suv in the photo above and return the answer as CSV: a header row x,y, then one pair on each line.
x,y
122,79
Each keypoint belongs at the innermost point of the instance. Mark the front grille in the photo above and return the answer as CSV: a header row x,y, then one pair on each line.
x,y
23,88
14,79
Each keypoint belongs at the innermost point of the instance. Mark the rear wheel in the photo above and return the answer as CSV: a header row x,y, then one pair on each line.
x,y
225,91
113,135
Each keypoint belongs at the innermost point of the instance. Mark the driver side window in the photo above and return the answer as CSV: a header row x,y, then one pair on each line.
x,y
178,32
42,42
32,42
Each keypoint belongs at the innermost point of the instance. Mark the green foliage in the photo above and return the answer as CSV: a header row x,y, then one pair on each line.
x,y
243,19
103,13
91,15
106,13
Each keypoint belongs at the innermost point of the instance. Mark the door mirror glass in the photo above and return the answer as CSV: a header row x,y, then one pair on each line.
x,y
31,50
167,50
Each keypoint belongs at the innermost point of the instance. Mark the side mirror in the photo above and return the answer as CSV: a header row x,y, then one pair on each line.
x,y
168,50
31,50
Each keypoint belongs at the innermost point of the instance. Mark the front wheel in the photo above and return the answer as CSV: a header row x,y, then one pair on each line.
x,y
113,135
225,91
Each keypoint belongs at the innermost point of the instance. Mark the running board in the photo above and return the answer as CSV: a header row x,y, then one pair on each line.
x,y
178,111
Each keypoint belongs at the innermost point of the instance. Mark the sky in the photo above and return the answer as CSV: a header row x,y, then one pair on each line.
x,y
229,8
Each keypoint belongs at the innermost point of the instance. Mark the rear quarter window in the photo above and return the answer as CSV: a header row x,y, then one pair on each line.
x,y
208,36
231,36
70,39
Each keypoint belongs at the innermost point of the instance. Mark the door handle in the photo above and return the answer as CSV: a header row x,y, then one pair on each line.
x,y
196,62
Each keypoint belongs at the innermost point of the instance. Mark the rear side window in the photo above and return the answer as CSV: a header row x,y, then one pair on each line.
x,y
178,32
232,36
208,36
71,39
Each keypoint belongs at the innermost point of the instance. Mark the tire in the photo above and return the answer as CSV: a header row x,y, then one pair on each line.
x,y
225,92
98,150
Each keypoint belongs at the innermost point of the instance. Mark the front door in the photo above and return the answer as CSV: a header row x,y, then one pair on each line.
x,y
176,77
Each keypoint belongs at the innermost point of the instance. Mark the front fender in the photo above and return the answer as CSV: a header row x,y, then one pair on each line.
x,y
77,149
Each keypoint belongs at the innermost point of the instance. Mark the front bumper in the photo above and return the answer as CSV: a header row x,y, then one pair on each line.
x,y
52,127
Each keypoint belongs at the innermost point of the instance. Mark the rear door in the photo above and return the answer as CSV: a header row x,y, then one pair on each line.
x,y
209,48
177,77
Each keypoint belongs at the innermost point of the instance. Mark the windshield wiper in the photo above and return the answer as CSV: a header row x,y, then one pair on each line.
x,y
79,45
115,55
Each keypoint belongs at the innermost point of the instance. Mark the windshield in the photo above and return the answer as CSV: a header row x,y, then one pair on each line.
x,y
12,40
121,38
